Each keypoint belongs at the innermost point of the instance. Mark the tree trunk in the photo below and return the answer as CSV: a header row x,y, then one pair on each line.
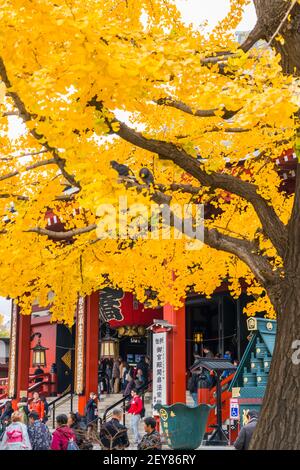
x,y
270,15
279,422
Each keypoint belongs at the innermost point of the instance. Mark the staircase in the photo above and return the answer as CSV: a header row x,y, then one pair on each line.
x,y
64,407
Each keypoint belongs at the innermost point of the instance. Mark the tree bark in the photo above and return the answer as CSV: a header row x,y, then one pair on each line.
x,y
270,15
279,422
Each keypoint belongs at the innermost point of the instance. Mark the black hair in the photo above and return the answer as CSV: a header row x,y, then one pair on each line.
x,y
34,415
74,417
150,422
62,419
23,400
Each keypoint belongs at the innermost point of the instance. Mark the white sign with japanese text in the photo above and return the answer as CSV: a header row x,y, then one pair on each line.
x,y
160,368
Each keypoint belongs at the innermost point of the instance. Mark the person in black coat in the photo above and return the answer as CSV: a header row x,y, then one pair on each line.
x,y
245,435
113,435
144,367
91,409
7,412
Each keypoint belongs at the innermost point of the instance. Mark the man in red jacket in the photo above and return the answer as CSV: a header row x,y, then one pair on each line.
x,y
136,408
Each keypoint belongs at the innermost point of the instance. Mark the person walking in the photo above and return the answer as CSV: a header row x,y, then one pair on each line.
x,y
80,431
6,415
135,410
91,410
113,434
37,405
15,436
63,436
124,381
130,385
151,440
140,380
144,367
46,409
116,375
193,387
243,440
22,407
38,432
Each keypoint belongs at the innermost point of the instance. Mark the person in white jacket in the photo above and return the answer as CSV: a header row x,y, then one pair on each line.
x,y
15,436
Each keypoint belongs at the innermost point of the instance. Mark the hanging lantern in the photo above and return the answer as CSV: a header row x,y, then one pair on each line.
x,y
109,346
39,354
198,337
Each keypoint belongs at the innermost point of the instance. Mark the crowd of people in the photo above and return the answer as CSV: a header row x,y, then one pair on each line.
x,y
117,376
25,428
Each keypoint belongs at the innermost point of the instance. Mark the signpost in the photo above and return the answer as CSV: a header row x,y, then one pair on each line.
x,y
160,368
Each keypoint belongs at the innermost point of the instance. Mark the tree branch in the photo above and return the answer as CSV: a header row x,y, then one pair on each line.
x,y
227,114
240,247
26,117
271,223
62,235
51,161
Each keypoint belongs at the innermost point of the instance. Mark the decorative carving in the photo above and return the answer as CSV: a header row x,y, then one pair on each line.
x,y
80,338
13,352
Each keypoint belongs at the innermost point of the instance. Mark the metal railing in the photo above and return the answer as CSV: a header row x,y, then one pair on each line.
x,y
59,401
142,392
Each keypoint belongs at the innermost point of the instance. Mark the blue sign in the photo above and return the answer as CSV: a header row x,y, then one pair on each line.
x,y
234,410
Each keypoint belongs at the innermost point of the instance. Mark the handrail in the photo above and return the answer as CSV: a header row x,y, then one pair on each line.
x,y
143,390
59,400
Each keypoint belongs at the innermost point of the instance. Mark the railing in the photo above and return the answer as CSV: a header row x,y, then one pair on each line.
x,y
59,402
36,382
225,396
123,401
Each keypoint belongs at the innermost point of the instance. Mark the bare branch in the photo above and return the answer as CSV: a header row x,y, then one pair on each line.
x,y
30,154
16,196
26,117
227,114
51,161
62,235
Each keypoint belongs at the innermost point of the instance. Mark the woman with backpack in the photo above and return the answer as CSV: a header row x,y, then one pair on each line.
x,y
63,437
15,436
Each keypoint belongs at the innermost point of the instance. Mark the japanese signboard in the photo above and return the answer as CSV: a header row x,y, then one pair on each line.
x,y
160,368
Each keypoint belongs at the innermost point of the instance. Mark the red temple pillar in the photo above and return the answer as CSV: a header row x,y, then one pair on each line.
x,y
89,359
176,354
19,358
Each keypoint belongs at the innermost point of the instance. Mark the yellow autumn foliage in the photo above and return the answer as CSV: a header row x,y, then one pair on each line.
x,y
57,57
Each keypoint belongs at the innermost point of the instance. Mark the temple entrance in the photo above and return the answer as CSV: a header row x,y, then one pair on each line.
x,y
131,349
217,324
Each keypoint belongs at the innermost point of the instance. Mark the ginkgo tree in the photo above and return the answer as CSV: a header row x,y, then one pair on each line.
x,y
87,83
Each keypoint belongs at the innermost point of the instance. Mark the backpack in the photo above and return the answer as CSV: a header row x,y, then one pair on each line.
x,y
72,445
143,412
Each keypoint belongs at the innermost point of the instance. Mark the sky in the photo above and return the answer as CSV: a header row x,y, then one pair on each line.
x,y
193,11
197,11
